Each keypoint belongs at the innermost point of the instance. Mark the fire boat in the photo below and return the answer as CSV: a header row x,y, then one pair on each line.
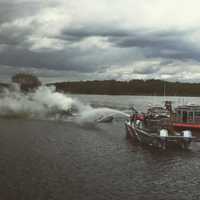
x,y
157,128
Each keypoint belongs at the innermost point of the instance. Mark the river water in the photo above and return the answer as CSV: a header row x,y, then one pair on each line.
x,y
63,160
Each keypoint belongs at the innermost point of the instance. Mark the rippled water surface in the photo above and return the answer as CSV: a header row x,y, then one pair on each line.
x,y
65,160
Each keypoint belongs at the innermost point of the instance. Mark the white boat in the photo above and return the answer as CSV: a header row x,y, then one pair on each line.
x,y
105,119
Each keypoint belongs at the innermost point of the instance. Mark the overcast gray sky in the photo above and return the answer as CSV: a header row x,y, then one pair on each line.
x,y
61,40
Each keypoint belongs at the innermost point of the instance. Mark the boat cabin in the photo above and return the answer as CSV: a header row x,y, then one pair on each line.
x,y
157,111
187,114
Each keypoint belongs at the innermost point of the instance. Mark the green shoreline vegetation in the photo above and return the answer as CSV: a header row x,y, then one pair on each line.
x,y
151,87
133,87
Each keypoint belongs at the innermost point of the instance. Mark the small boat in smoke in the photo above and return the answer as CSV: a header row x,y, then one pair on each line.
x,y
105,119
156,131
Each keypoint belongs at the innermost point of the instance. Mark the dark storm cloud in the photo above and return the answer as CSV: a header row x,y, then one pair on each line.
x,y
13,56
171,45
150,69
167,44
154,44
94,30
14,35
11,10
125,45
10,32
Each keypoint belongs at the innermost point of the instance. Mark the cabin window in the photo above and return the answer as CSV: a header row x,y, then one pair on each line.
x,y
190,116
178,115
185,116
197,114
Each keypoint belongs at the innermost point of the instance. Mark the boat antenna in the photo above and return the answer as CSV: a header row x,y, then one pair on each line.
x,y
164,90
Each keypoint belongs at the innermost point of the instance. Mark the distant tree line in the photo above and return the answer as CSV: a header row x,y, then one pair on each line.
x,y
29,82
132,87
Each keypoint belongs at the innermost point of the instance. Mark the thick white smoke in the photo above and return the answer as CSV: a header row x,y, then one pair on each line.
x,y
47,103
44,101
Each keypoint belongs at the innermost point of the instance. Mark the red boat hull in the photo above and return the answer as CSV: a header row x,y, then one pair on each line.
x,y
183,125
